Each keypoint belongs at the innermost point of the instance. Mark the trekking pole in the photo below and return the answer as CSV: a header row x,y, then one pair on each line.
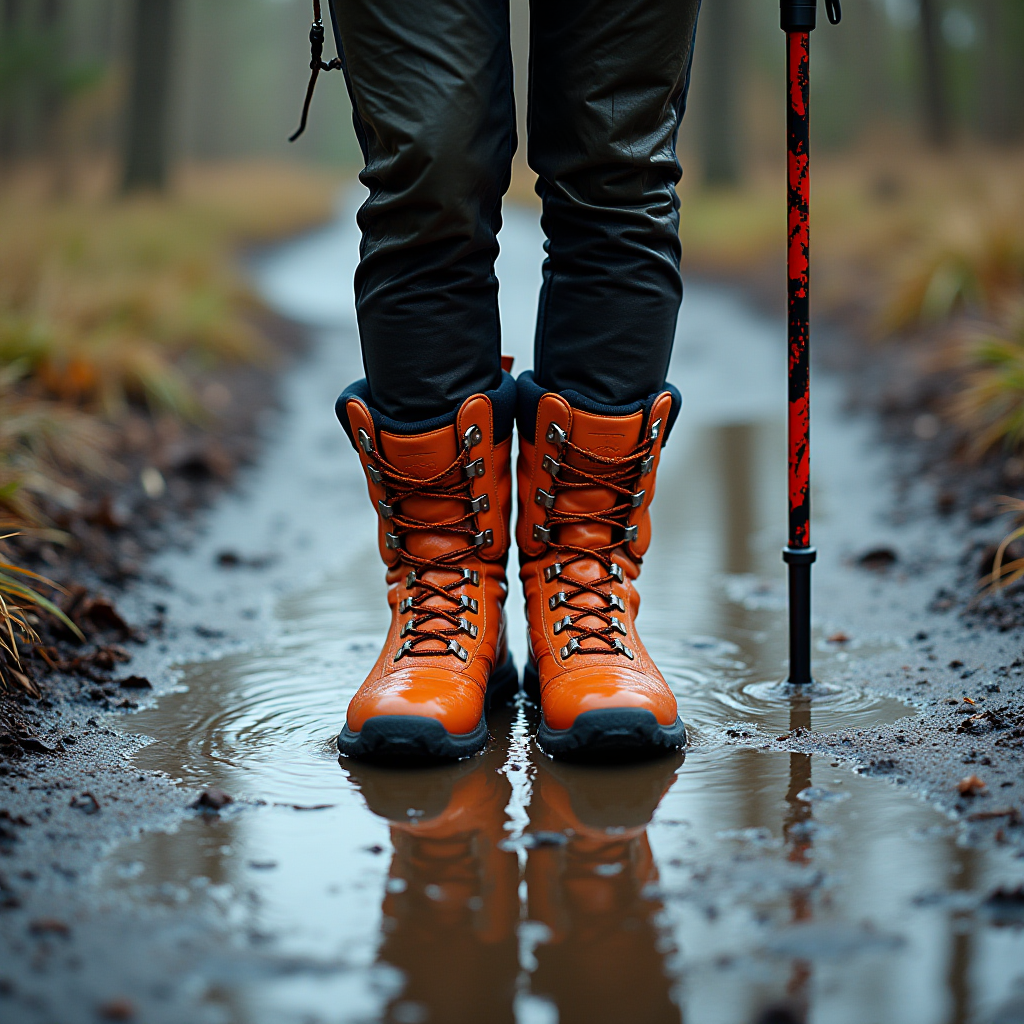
x,y
798,18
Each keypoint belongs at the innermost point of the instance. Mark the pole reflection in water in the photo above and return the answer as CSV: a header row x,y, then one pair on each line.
x,y
797,832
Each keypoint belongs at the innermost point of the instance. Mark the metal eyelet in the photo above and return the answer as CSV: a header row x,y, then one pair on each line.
x,y
556,435
481,504
632,532
408,627
619,646
458,650
386,511
636,500
373,473
556,599
570,648
646,465
472,437
618,626
468,627
471,576
483,539
410,580
562,624
364,442
616,602
655,429
542,497
468,604
616,571
549,466
475,468
405,605
542,533
404,649
392,541
552,572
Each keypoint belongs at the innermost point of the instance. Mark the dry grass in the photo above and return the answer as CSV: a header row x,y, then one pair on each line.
x,y
990,404
1004,573
106,303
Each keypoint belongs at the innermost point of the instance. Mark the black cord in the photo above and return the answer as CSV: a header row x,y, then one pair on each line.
x,y
316,65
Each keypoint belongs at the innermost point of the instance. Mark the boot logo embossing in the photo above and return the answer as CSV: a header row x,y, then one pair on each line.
x,y
611,443
418,460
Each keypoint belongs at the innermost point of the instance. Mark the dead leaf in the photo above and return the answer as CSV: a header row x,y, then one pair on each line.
x,y
971,786
135,683
213,799
1010,813
49,926
117,1009
86,803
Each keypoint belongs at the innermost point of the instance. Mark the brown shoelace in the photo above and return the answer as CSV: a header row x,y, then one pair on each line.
x,y
618,473
452,483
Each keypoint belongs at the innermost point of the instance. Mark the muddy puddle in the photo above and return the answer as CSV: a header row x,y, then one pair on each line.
x,y
510,887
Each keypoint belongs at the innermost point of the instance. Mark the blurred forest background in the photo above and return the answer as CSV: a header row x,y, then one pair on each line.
x,y
223,79
143,148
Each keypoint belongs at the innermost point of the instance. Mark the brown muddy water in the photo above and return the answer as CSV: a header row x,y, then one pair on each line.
x,y
716,889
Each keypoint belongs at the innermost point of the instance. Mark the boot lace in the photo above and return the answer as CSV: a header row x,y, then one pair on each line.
x,y
615,473
454,482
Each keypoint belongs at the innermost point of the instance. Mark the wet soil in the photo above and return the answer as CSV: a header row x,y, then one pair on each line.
x,y
847,853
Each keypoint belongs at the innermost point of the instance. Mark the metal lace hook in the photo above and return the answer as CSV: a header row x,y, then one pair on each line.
x,y
316,65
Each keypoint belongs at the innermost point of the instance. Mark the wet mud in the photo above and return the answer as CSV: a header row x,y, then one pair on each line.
x,y
813,857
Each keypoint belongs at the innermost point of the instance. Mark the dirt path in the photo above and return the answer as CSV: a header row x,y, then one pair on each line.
x,y
761,875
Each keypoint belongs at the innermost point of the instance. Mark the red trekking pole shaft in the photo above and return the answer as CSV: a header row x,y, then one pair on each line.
x,y
798,18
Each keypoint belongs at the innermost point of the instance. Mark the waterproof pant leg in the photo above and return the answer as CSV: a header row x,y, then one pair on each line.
x,y
608,82
431,90
431,87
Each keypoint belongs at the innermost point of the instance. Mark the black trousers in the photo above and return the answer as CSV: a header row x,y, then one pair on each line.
x,y
431,89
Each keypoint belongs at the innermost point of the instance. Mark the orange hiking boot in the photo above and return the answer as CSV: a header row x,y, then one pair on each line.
x,y
443,495
586,481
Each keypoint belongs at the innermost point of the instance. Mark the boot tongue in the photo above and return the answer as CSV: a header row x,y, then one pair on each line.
x,y
423,456
606,436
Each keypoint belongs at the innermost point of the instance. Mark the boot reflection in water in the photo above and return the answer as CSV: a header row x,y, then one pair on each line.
x,y
604,960
432,96
452,905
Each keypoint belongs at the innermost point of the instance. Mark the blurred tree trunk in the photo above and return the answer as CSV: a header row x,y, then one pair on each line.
x,y
720,123
146,145
936,102
999,74
10,26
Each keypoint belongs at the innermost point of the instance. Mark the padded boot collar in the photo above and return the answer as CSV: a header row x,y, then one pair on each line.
x,y
503,403
529,394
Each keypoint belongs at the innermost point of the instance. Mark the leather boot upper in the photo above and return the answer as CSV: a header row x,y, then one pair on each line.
x,y
586,483
443,501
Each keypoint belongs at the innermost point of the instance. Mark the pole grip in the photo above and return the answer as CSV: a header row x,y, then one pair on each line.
x,y
798,15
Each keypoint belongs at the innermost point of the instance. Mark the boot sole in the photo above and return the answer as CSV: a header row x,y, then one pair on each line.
x,y
404,738
607,734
